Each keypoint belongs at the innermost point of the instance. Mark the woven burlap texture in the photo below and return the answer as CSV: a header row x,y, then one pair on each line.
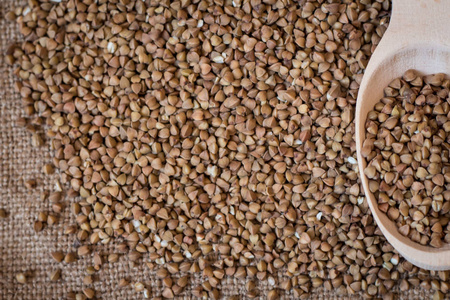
x,y
24,251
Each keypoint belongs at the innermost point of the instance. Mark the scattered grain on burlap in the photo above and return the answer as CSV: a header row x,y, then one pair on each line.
x,y
26,254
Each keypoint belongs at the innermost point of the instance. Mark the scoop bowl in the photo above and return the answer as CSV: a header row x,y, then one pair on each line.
x,y
418,37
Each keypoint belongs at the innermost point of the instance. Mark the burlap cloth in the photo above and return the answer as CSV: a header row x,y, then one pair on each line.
x,y
22,250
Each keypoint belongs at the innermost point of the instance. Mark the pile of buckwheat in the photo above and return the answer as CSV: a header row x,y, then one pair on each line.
x,y
407,146
211,137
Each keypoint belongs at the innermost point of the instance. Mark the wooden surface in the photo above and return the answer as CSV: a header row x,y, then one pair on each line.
x,y
418,38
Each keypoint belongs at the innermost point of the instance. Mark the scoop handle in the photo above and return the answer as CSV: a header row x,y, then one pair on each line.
x,y
420,21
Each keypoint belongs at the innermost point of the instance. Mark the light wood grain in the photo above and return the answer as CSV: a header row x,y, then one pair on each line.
x,y
418,38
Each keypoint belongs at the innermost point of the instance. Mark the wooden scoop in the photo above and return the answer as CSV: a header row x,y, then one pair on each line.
x,y
418,37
